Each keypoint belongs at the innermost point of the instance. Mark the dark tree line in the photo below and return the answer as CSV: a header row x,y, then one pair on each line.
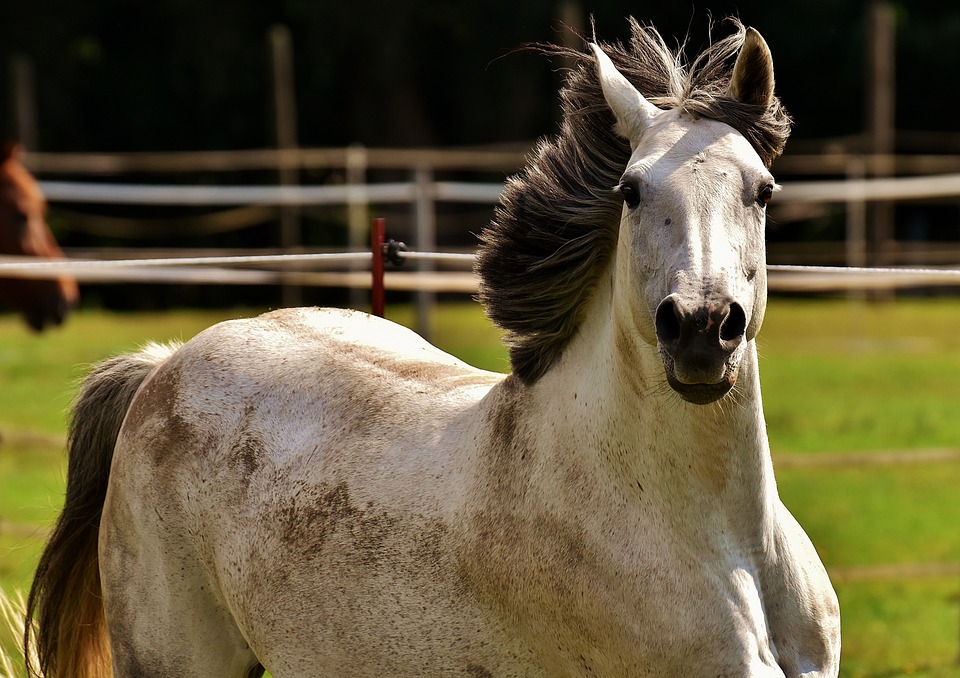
x,y
134,75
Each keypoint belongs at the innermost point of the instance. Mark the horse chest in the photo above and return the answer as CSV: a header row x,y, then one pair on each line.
x,y
631,603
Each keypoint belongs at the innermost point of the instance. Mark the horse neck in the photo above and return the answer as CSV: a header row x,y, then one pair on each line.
x,y
609,394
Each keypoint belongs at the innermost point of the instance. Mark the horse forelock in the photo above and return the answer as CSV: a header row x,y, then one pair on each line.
x,y
556,227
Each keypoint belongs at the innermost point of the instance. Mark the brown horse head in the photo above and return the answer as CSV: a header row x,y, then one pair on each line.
x,y
24,232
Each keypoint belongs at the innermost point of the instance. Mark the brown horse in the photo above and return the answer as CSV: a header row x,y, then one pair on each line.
x,y
24,232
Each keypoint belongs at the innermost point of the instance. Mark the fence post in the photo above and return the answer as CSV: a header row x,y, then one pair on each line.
x,y
426,218
23,106
881,121
856,236
377,290
357,209
285,127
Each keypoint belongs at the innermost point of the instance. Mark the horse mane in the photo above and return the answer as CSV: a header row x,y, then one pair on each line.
x,y
556,228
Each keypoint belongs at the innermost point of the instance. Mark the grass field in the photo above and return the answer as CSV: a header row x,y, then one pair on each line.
x,y
837,377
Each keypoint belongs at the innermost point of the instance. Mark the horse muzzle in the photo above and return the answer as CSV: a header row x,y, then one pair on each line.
x,y
50,304
701,346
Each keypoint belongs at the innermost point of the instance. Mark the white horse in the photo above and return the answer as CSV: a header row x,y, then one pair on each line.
x,y
322,493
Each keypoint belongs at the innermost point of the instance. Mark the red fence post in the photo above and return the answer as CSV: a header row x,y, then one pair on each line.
x,y
377,234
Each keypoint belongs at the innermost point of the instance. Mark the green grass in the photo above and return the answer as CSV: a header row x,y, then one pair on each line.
x,y
846,376
878,515
887,515
39,372
899,628
840,376
836,377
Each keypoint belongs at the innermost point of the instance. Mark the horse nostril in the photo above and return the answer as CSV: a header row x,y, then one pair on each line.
x,y
734,326
668,322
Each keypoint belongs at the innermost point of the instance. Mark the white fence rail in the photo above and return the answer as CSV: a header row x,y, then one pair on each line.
x,y
343,194
900,188
854,190
290,269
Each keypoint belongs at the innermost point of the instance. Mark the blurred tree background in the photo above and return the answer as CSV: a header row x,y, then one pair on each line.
x,y
128,75
133,75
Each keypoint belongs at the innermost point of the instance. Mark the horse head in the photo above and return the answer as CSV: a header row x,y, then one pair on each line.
x,y
691,242
24,232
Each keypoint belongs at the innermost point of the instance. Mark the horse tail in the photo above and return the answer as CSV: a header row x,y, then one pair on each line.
x,y
65,623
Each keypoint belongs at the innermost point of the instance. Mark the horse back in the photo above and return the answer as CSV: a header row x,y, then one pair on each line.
x,y
307,392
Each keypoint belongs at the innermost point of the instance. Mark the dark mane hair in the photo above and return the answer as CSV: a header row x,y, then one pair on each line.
x,y
556,227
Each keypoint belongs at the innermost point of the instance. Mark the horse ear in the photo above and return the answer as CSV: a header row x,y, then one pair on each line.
x,y
632,110
752,81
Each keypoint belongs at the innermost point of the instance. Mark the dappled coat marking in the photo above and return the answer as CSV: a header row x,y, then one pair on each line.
x,y
322,493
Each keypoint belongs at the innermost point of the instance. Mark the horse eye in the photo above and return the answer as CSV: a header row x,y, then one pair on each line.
x,y
630,193
765,194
